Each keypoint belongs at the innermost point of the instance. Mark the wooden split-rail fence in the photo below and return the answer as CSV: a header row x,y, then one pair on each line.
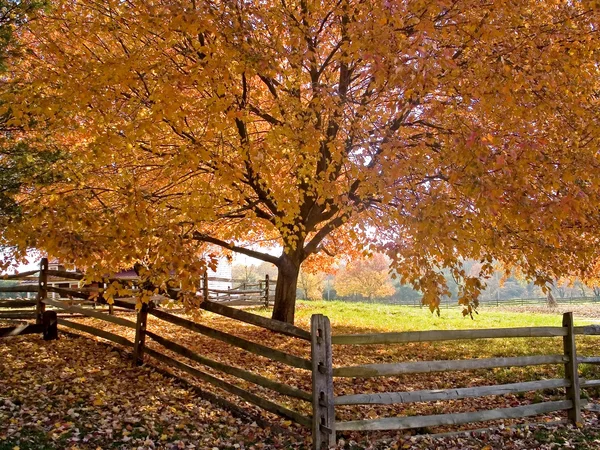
x,y
322,397
239,292
231,291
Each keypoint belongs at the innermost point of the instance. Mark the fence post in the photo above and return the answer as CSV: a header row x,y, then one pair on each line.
x,y
571,369
205,286
266,290
140,335
50,324
111,309
40,306
323,429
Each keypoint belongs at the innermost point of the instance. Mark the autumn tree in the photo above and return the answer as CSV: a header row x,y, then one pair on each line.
x,y
17,162
311,284
368,277
245,272
432,131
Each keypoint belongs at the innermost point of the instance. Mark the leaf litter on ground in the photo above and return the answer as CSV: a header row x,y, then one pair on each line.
x,y
299,438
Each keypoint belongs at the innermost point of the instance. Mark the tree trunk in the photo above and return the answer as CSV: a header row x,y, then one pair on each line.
x,y
285,289
551,300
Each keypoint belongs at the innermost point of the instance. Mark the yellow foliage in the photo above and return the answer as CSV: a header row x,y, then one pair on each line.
x,y
431,131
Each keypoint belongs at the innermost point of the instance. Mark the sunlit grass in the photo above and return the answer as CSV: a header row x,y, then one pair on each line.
x,y
378,317
362,317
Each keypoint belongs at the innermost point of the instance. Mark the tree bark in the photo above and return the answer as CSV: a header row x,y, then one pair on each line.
x,y
285,289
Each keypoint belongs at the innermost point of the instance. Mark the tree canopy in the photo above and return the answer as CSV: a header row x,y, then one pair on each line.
x,y
431,131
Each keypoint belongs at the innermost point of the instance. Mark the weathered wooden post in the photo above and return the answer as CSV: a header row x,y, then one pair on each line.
x,y
571,369
40,306
111,308
50,325
266,290
205,286
140,335
322,383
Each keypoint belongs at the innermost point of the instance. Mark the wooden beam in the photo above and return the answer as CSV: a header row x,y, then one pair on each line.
x,y
232,291
253,319
267,287
583,383
228,387
42,291
96,332
589,330
92,313
244,344
572,370
386,370
18,315
20,330
70,292
140,334
254,301
404,423
130,305
66,274
389,398
19,288
18,276
235,371
323,424
588,359
49,323
17,303
446,335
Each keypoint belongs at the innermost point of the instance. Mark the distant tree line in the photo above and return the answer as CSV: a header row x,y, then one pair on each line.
x,y
370,279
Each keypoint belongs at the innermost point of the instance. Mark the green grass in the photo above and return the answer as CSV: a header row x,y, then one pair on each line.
x,y
362,317
377,317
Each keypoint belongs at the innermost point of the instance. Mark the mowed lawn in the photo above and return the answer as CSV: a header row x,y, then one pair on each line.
x,y
362,317
354,317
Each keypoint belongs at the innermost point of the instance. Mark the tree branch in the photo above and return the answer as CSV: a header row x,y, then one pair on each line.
x,y
313,245
234,248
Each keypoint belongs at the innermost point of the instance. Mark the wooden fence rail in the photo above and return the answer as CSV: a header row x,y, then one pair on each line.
x,y
323,373
19,288
140,348
447,335
231,370
253,319
571,383
389,370
389,398
252,347
18,276
265,404
404,423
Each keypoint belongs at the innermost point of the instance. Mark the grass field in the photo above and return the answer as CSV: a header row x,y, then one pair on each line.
x,y
356,317
347,317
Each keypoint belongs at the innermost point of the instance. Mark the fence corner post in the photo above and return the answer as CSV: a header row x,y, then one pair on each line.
x,y
50,326
40,306
571,369
140,335
323,429
267,290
